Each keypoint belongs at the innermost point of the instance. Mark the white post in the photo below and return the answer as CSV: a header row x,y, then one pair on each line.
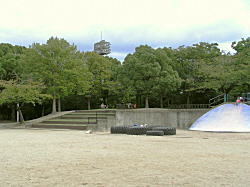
x,y
17,114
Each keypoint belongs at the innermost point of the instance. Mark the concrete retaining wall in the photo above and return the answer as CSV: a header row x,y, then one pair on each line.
x,y
103,124
179,118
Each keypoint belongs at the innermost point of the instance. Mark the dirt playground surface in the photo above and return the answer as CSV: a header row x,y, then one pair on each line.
x,y
31,157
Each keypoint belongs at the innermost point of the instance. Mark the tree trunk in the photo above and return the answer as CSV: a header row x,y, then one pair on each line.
x,y
54,105
168,102
141,101
59,105
21,115
146,102
43,108
225,97
13,112
88,103
188,98
138,101
161,100
106,101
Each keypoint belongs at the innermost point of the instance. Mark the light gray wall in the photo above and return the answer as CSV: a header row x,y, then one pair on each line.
x,y
103,124
179,118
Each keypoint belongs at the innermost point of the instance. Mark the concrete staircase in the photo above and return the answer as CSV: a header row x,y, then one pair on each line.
x,y
80,120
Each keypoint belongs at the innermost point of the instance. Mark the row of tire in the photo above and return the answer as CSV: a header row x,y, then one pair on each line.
x,y
142,130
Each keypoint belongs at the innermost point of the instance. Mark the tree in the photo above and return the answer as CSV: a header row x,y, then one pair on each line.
x,y
221,75
227,72
242,45
141,71
9,61
114,87
168,81
190,62
59,66
103,80
242,59
10,66
19,94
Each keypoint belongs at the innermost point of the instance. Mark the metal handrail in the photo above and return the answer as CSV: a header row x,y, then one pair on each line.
x,y
216,99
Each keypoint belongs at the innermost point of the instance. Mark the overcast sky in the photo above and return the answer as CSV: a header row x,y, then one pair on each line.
x,y
126,24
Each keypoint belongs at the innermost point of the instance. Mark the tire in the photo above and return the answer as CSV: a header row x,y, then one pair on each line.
x,y
137,130
154,133
119,129
166,130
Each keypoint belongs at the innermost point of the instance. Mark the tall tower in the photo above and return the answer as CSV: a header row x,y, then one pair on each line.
x,y
102,47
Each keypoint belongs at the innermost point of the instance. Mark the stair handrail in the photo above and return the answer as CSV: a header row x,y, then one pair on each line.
x,y
216,99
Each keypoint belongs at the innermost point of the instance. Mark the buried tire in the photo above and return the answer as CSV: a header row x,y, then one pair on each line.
x,y
155,133
166,130
119,129
137,130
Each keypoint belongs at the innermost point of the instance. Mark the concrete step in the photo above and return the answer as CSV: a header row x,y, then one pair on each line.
x,y
69,122
81,117
81,120
74,119
89,114
60,126
103,111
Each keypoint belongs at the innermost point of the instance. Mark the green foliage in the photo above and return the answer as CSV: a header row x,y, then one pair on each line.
x,y
169,80
191,66
141,70
14,93
242,45
9,61
221,75
150,71
200,72
100,68
228,72
242,59
58,65
104,72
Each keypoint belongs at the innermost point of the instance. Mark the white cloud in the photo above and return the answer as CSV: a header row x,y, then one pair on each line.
x,y
127,23
119,56
226,47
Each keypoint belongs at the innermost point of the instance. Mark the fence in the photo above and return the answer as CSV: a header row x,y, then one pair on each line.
x,y
188,106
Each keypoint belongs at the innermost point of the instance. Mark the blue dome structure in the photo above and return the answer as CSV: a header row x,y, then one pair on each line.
x,y
225,118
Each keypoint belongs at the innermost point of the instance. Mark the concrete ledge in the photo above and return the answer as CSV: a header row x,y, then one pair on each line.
x,y
178,118
9,125
44,118
75,127
162,109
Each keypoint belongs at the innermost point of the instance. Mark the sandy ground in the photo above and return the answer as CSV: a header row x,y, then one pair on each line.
x,y
31,157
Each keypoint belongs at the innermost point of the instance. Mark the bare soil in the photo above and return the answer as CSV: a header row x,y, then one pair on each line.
x,y
32,157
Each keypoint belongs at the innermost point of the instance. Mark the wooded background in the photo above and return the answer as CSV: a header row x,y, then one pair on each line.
x,y
55,76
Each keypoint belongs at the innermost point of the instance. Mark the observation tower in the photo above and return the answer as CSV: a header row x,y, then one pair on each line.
x,y
102,47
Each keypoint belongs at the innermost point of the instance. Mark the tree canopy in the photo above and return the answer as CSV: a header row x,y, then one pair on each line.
x,y
58,65
57,70
12,92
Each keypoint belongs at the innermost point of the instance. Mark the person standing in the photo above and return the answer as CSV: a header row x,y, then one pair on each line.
x,y
241,99
238,101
